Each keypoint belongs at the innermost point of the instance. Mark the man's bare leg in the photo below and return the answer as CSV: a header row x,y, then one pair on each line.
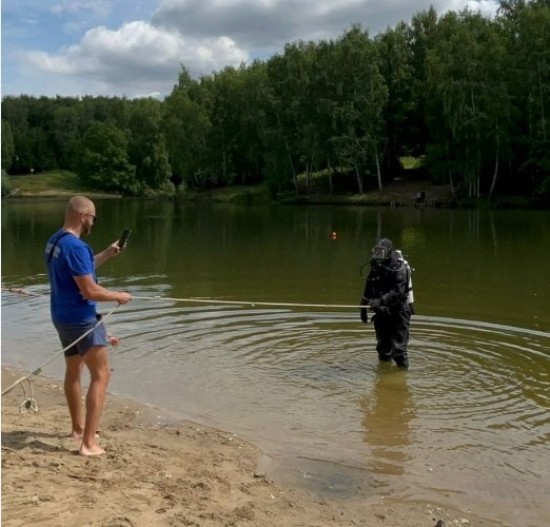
x,y
97,361
72,387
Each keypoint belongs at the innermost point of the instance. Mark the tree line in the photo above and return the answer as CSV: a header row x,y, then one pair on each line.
x,y
465,93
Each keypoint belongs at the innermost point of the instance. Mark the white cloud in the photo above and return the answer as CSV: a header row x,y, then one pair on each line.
x,y
124,56
271,23
138,55
32,21
485,7
99,8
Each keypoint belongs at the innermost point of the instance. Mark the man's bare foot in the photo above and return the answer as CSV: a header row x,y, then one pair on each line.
x,y
93,451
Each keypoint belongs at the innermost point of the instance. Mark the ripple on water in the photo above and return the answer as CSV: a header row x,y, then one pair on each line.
x,y
469,422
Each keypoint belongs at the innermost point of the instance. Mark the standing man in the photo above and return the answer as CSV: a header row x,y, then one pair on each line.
x,y
387,293
74,292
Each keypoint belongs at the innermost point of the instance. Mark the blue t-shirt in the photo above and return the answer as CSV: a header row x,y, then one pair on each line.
x,y
71,257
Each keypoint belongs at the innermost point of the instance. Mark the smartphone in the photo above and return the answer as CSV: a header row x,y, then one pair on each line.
x,y
123,240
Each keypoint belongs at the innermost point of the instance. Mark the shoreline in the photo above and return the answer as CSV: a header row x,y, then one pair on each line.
x,y
410,189
398,194
58,194
162,475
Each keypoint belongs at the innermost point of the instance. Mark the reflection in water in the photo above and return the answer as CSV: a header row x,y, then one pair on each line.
x,y
294,381
388,411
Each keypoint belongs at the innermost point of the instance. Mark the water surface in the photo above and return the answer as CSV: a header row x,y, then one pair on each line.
x,y
468,425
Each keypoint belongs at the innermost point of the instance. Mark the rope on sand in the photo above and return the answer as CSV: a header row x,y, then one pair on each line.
x,y
30,403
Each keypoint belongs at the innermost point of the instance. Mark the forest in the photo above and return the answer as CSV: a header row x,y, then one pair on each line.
x,y
464,94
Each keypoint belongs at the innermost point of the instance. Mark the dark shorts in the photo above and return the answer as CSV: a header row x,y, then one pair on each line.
x,y
68,333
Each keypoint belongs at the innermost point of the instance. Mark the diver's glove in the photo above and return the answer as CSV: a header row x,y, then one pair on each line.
x,y
376,304
363,310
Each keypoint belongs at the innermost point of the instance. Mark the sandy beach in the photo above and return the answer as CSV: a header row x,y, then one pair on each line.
x,y
157,475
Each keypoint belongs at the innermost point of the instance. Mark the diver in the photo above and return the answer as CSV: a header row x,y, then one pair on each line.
x,y
388,293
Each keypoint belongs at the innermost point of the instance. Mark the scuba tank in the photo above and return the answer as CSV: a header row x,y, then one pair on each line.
x,y
410,296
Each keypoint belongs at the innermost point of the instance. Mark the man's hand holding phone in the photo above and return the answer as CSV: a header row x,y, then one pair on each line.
x,y
114,249
123,240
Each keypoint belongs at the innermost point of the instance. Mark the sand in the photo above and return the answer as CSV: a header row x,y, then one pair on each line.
x,y
155,475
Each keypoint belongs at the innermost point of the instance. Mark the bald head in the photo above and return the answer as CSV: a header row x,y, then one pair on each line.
x,y
79,214
78,205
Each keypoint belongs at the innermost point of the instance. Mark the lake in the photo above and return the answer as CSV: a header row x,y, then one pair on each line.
x,y
467,425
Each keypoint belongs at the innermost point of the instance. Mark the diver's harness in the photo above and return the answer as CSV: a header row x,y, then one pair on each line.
x,y
401,259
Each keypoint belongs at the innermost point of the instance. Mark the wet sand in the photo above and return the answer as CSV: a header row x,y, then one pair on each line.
x,y
157,475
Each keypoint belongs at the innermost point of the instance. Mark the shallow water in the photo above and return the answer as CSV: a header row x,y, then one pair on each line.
x,y
468,425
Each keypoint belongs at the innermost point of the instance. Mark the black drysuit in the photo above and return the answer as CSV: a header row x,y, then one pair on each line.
x,y
386,292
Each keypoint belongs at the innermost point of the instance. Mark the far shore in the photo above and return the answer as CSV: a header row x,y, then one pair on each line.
x,y
399,193
57,194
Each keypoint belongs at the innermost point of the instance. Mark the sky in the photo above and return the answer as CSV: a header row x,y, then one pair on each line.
x,y
135,48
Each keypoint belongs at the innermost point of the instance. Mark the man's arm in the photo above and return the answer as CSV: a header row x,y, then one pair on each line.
x,y
92,291
107,254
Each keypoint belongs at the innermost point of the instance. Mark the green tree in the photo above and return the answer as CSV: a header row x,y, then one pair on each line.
x,y
104,160
466,87
8,146
186,127
65,135
146,146
15,111
396,67
361,96
279,137
528,49
422,36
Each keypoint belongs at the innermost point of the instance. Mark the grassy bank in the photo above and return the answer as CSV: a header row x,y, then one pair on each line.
x,y
62,183
53,183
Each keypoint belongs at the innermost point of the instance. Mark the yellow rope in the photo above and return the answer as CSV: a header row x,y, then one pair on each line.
x,y
19,291
39,369
216,301
30,403
248,302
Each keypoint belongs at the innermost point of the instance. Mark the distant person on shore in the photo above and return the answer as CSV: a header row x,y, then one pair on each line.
x,y
74,292
388,293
